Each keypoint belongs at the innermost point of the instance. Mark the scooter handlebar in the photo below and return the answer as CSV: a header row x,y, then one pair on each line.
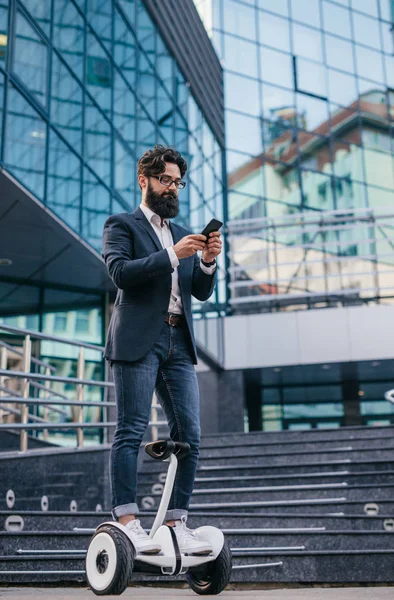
x,y
162,449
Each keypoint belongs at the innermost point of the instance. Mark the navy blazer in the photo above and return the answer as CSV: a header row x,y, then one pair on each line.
x,y
141,270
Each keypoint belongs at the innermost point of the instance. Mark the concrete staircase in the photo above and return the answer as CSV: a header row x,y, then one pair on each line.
x,y
307,507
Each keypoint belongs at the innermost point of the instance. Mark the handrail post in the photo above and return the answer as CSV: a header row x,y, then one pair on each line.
x,y
25,391
47,384
3,365
80,395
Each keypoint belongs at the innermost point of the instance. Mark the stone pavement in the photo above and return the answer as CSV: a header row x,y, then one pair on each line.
x,y
148,593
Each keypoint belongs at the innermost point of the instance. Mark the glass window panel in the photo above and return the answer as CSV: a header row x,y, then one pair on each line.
x,y
240,56
129,9
339,53
274,31
99,15
125,169
41,11
165,115
97,142
370,7
336,20
64,182
311,112
306,11
366,30
147,81
278,108
348,165
311,77
96,209
99,76
240,20
68,34
165,66
146,132
307,42
125,53
385,9
318,194
146,31
379,168
243,133
282,185
387,38
235,160
25,143
66,104
280,7
389,69
3,30
31,59
241,93
369,64
276,67
342,88
124,110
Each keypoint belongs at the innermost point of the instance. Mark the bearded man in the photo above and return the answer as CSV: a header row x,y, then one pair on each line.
x,y
150,345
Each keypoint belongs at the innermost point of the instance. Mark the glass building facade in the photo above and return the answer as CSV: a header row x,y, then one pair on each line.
x,y
86,86
309,109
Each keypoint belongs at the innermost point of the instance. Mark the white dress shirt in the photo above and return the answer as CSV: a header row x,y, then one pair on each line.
x,y
165,238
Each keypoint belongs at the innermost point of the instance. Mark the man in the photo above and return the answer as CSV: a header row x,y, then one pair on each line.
x,y
155,266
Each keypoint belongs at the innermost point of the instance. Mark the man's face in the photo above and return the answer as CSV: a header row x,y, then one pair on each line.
x,y
163,200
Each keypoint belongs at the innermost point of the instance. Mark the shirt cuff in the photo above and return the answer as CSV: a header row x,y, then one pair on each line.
x,y
208,270
173,257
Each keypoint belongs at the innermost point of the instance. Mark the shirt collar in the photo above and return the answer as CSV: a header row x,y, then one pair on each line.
x,y
152,216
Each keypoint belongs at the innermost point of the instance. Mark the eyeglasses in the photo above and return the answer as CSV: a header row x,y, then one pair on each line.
x,y
166,180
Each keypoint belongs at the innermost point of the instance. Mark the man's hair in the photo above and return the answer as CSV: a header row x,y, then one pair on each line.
x,y
153,162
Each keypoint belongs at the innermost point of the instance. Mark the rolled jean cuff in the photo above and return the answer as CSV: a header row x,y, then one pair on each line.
x,y
176,514
125,509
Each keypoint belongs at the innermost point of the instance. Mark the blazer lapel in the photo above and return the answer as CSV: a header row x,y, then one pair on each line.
x,y
143,222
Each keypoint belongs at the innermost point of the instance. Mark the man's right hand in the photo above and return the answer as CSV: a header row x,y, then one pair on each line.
x,y
189,245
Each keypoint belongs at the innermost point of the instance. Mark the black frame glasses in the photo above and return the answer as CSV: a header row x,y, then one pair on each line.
x,y
167,181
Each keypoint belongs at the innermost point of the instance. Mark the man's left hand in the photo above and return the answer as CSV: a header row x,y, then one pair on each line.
x,y
213,247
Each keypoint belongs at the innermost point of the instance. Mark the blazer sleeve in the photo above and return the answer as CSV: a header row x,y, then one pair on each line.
x,y
124,270
202,283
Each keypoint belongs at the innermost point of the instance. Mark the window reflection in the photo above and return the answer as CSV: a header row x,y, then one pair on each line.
x,y
95,209
240,55
41,11
66,104
99,14
30,59
25,143
276,67
274,31
68,34
336,19
64,182
366,30
97,142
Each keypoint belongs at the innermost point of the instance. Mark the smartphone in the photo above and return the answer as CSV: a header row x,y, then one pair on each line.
x,y
213,225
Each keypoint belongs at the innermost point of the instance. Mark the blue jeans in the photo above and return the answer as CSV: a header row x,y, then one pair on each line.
x,y
167,369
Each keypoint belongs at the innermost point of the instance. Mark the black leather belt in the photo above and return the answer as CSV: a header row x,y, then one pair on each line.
x,y
174,320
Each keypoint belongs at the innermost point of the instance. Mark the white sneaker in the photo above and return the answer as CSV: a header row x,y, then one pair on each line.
x,y
141,540
187,541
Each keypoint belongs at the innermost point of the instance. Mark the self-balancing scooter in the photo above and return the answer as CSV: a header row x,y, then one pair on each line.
x,y
111,557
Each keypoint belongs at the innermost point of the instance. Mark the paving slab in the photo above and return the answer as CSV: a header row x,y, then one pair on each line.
x,y
148,593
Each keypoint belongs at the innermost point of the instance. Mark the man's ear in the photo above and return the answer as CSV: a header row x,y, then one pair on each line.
x,y
143,181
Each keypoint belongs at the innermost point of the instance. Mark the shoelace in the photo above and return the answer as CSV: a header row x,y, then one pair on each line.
x,y
185,533
136,528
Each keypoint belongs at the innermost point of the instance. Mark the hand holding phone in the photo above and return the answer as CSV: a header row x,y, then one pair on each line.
x,y
213,225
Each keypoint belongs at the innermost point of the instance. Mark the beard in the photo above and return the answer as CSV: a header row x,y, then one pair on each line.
x,y
166,204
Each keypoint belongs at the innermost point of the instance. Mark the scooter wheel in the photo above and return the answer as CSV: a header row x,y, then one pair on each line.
x,y
215,576
109,561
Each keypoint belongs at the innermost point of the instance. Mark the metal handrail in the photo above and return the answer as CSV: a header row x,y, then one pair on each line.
x,y
35,361
54,378
52,398
51,338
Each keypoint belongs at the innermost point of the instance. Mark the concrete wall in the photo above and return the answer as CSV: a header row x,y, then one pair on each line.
x,y
309,337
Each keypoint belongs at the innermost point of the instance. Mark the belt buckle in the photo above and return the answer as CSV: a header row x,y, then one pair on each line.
x,y
169,320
